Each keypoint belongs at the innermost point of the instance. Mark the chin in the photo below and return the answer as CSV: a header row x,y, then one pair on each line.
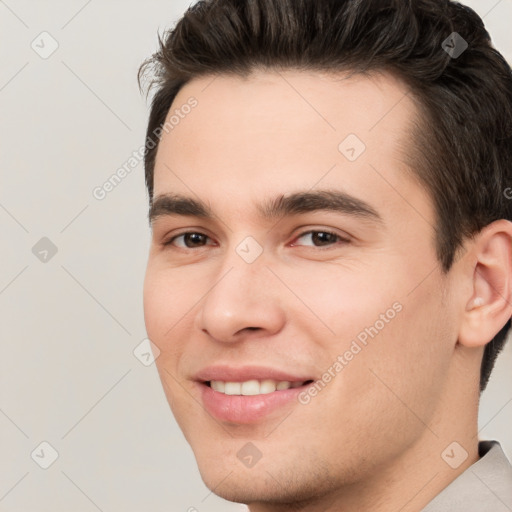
x,y
269,483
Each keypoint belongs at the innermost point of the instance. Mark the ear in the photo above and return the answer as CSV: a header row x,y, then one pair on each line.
x,y
489,306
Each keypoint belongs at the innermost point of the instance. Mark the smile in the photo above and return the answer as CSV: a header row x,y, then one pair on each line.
x,y
253,387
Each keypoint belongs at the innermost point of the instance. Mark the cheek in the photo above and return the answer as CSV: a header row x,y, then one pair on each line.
x,y
394,347
165,305
166,302
401,372
346,300
155,310
385,395
417,340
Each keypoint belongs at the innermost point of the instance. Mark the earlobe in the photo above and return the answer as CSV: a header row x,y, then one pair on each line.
x,y
490,305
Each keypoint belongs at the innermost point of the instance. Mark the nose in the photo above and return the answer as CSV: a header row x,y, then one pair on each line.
x,y
243,298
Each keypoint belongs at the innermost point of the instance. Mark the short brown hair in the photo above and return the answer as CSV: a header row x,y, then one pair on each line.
x,y
463,143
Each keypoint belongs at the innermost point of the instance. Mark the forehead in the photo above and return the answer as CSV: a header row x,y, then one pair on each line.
x,y
273,132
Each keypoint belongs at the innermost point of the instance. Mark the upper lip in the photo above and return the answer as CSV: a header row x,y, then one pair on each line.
x,y
244,373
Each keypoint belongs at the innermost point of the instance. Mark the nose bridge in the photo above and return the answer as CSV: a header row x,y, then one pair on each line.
x,y
241,295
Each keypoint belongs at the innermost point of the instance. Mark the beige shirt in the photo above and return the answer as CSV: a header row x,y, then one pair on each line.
x,y
486,486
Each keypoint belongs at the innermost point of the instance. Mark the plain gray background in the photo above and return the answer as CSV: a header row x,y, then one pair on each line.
x,y
70,324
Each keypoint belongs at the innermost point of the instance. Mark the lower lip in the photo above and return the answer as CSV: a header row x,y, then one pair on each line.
x,y
246,409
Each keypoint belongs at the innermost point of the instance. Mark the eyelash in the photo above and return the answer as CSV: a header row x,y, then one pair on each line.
x,y
311,231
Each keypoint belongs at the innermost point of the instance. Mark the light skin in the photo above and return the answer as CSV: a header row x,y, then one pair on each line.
x,y
372,439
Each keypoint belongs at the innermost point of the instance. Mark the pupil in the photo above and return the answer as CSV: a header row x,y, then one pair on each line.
x,y
322,237
194,238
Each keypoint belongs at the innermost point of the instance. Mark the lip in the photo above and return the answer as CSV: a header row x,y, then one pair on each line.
x,y
246,409
242,409
243,373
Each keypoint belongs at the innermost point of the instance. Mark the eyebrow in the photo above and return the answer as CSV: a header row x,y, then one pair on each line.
x,y
284,205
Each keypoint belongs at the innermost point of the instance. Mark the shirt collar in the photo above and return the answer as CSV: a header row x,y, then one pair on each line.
x,y
486,486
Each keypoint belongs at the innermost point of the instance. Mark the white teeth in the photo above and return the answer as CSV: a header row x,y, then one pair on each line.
x,y
252,387
217,385
267,386
232,388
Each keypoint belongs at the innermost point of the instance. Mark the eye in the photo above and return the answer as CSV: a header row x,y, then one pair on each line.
x,y
320,238
188,240
317,238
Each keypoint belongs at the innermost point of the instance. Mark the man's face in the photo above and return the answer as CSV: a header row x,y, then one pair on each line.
x,y
355,293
